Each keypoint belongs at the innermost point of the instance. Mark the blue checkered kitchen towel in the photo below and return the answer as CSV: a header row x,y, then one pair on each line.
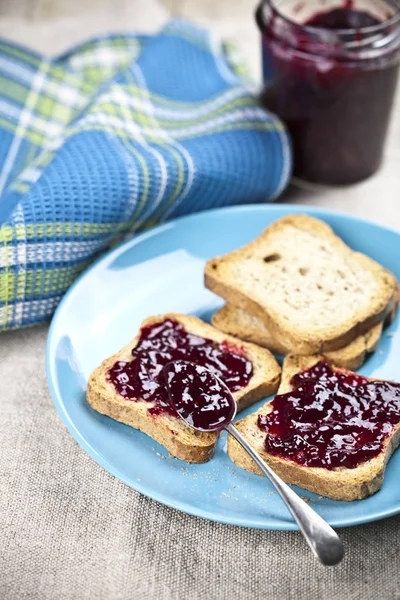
x,y
118,134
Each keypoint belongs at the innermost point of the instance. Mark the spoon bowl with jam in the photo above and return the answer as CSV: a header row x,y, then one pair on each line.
x,y
205,403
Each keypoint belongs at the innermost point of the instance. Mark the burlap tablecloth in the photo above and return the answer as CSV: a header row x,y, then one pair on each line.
x,y
69,530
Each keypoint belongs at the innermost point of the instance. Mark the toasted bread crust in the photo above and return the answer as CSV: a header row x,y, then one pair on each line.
x,y
200,448
226,276
339,483
178,438
237,322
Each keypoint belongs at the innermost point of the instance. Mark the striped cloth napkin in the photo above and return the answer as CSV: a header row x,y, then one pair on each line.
x,y
118,134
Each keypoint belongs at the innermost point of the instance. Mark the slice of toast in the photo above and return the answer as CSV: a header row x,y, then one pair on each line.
x,y
313,293
339,483
238,322
241,324
176,436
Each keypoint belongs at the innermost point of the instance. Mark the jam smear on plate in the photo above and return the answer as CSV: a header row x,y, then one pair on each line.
x,y
331,418
168,341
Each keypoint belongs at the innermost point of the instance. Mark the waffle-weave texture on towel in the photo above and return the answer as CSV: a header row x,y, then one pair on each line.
x,y
118,134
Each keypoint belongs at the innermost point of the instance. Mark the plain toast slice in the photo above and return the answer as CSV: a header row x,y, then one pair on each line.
x,y
238,322
312,292
241,324
340,483
176,436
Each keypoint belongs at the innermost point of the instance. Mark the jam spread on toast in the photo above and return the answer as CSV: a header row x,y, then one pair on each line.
x,y
331,418
162,343
199,397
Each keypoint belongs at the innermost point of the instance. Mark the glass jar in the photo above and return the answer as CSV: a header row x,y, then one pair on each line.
x,y
331,84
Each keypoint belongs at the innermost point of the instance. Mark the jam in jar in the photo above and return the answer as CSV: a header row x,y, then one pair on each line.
x,y
330,71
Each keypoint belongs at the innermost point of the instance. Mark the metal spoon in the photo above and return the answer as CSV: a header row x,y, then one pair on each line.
x,y
206,403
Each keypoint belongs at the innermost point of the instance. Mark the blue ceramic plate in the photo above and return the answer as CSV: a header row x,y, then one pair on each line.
x,y
160,271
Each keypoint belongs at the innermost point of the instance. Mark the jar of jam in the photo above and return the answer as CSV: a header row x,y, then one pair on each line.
x,y
330,72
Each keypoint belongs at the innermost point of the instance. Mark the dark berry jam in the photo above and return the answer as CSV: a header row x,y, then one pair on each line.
x,y
198,396
332,80
331,419
162,343
342,18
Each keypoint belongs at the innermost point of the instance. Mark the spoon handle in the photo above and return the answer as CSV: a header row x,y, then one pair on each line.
x,y
322,539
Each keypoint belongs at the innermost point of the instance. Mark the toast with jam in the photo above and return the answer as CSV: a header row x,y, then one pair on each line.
x,y
329,430
312,293
129,388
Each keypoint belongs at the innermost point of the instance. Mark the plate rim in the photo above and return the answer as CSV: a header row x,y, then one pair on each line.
x,y
267,522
